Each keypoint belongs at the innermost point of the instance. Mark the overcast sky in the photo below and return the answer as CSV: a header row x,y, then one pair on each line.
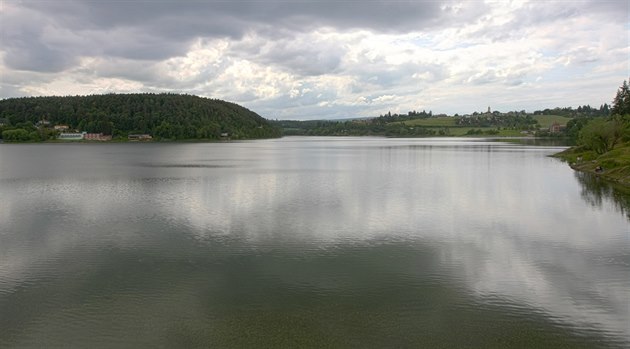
x,y
320,59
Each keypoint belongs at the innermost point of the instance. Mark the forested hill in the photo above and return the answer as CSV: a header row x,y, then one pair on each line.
x,y
164,116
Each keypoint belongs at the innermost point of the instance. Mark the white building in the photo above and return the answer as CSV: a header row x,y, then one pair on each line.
x,y
72,136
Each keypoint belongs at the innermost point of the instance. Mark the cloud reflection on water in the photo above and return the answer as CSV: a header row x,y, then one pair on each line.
x,y
509,225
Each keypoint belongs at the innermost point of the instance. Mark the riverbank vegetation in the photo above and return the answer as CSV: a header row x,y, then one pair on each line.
x,y
603,143
164,116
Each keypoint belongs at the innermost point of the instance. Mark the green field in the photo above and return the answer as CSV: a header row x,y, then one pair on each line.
x,y
544,121
454,130
548,120
432,122
461,131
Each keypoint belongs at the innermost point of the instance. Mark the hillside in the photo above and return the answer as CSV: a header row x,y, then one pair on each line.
x,y
512,124
164,116
547,120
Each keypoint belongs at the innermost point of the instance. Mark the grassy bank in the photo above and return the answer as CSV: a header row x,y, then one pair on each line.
x,y
548,120
615,164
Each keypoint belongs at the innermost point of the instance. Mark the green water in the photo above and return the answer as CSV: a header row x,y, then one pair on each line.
x,y
309,242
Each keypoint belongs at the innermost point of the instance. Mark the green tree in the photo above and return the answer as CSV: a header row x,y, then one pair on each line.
x,y
602,135
17,135
167,116
621,103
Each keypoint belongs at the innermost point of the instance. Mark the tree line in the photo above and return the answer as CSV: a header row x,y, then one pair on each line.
x,y
358,127
164,116
510,120
581,111
602,134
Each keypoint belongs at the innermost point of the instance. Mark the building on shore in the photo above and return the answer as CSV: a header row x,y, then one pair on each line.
x,y
71,136
61,128
139,137
79,136
43,123
97,137
556,128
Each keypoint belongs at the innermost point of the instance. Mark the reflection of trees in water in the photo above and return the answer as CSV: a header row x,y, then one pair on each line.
x,y
545,142
595,191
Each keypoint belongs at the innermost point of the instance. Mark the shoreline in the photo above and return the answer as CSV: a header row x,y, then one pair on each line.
x,y
119,141
194,140
614,165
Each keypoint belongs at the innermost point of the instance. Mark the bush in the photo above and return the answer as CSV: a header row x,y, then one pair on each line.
x,y
602,135
17,135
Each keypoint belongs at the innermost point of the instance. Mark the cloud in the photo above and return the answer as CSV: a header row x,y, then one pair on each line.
x,y
27,46
317,59
164,29
309,54
233,18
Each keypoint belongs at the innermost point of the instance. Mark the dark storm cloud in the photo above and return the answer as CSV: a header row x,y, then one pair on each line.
x,y
158,30
39,57
233,17
137,70
26,49
306,56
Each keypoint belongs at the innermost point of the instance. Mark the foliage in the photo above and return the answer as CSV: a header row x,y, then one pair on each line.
x,y
414,124
603,143
621,102
478,131
372,127
581,111
16,135
547,120
389,117
620,111
165,116
574,126
602,135
433,122
512,121
615,164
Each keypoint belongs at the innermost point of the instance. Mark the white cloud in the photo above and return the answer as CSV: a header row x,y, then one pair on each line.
x,y
201,59
73,87
303,62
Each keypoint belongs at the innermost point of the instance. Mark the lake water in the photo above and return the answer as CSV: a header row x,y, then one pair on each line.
x,y
309,242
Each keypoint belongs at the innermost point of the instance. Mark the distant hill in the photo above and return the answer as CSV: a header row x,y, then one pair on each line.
x,y
164,116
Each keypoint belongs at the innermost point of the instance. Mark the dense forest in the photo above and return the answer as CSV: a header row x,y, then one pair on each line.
x,y
164,116
581,111
358,127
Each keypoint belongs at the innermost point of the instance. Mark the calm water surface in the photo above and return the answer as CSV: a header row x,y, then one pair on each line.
x,y
309,242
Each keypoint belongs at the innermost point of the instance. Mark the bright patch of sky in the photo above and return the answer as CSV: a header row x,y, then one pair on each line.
x,y
319,59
